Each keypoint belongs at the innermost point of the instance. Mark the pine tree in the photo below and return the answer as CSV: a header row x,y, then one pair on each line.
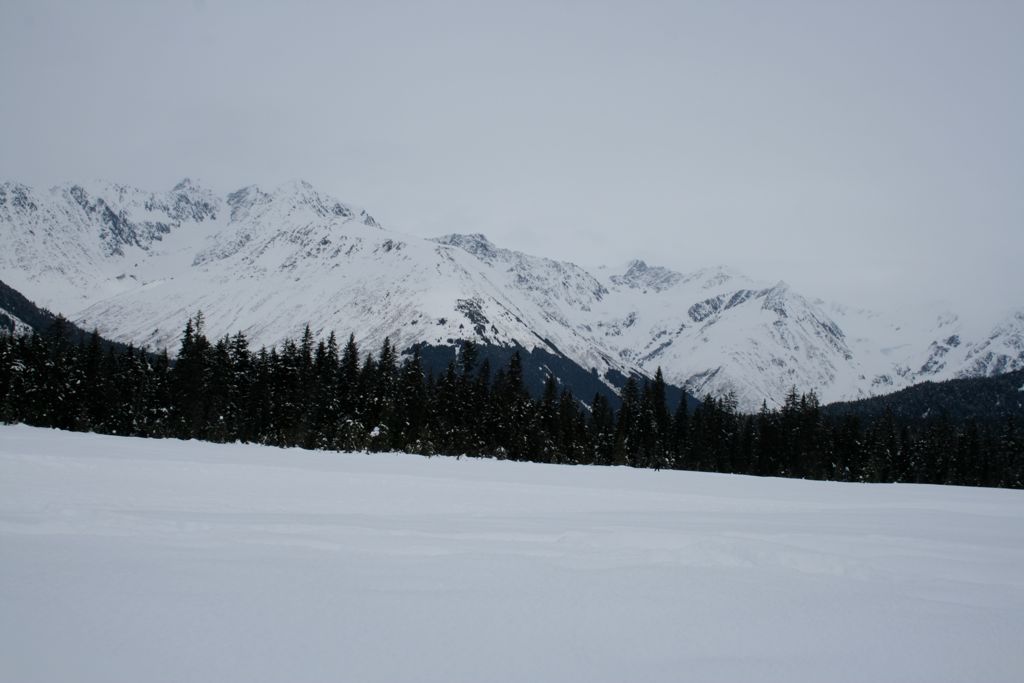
x,y
414,407
545,432
221,394
602,428
94,391
190,380
680,436
624,451
349,430
325,405
515,410
659,450
385,423
159,400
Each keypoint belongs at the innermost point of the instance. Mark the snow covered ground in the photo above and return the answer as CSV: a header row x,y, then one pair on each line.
x,y
142,560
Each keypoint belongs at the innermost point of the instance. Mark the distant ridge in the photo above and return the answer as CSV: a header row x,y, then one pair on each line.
x,y
136,263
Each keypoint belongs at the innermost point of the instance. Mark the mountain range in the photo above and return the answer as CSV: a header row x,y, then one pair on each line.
x,y
134,264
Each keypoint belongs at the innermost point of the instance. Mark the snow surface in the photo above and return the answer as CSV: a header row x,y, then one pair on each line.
x,y
141,560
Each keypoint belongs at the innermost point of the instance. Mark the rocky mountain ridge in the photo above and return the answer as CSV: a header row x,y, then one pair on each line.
x,y
135,264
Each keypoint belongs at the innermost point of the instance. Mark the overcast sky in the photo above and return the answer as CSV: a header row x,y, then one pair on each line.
x,y
871,152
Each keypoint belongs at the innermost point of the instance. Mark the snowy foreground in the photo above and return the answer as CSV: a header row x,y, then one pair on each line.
x,y
142,560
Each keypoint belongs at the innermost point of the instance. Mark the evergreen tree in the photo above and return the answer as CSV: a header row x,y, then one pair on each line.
x,y
603,431
414,408
545,434
679,440
626,425
516,410
190,381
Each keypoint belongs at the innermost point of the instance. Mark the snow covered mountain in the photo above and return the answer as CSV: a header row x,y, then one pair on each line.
x,y
136,264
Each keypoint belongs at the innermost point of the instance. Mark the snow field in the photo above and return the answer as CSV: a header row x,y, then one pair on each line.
x,y
157,560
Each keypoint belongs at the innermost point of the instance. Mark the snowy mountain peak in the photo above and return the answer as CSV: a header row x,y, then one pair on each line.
x,y
776,299
187,185
292,201
299,194
474,243
641,276
245,201
1002,350
716,276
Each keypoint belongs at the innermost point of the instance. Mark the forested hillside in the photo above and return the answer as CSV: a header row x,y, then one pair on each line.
x,y
326,395
980,398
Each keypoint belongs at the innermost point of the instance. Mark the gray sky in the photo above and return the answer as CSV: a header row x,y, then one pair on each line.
x,y
868,151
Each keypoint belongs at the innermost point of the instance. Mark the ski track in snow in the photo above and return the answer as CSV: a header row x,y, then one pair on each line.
x,y
127,559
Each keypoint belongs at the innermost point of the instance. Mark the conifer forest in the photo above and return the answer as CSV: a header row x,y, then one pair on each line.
x,y
334,396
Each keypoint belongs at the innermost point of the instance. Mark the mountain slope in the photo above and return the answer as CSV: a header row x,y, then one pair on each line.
x,y
136,264
19,316
715,331
983,398
269,262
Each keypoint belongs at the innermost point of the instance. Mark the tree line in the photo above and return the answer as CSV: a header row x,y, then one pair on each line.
x,y
321,394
